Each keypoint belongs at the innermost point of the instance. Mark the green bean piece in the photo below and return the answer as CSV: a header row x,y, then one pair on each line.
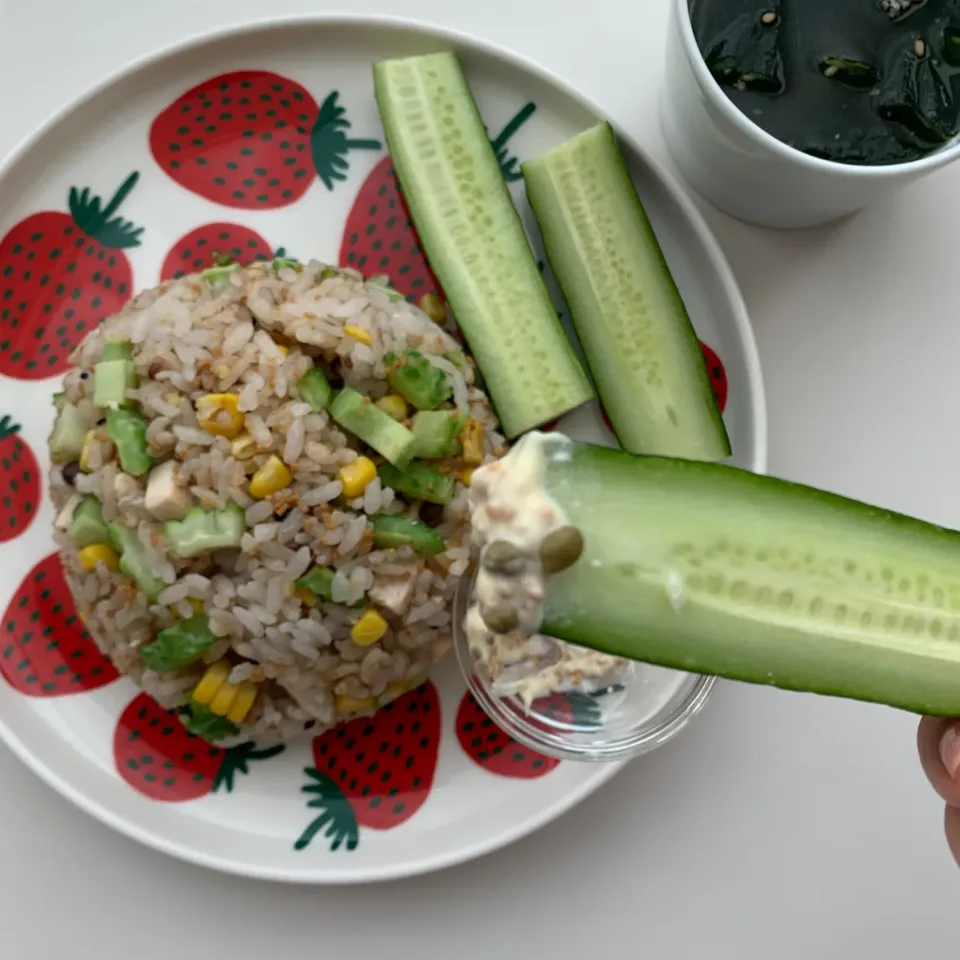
x,y
128,431
392,531
202,722
319,581
419,481
180,645
315,389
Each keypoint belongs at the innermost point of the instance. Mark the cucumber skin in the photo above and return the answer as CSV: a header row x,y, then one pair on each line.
x,y
687,423
554,381
917,672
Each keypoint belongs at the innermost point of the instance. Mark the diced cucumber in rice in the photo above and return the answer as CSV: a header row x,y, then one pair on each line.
x,y
112,380
69,432
134,560
204,531
86,524
374,427
436,432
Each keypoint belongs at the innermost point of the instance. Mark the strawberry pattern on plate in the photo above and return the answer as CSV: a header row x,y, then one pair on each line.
x,y
295,157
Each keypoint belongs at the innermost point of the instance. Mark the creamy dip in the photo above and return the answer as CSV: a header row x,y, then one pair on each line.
x,y
524,536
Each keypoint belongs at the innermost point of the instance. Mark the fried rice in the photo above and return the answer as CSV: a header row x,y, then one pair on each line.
x,y
254,332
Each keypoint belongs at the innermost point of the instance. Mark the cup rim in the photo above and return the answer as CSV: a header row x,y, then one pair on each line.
x,y
748,127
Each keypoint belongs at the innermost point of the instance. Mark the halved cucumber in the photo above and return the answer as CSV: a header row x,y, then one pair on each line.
x,y
707,568
631,321
475,242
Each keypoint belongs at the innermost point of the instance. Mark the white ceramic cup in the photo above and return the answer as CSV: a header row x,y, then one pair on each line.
x,y
746,172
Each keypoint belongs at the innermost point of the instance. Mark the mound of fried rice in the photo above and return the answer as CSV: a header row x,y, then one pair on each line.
x,y
254,332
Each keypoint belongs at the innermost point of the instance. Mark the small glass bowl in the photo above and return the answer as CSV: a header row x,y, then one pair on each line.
x,y
647,709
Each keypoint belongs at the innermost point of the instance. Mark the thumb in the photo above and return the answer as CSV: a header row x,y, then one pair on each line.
x,y
939,744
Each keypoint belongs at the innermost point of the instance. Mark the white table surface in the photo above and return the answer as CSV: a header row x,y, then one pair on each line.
x,y
780,826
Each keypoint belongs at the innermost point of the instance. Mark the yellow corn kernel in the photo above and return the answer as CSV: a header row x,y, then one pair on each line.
x,y
92,437
272,477
243,447
368,629
472,439
243,702
99,553
358,333
223,701
347,705
306,596
217,413
356,475
393,405
433,307
399,687
211,682
172,397
466,476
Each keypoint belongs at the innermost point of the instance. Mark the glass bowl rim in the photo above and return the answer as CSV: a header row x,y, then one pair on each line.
x,y
658,731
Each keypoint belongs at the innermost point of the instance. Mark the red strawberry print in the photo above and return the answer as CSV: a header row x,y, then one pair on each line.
x,y
214,243
606,420
44,649
495,750
718,376
253,140
156,754
374,771
19,482
379,236
60,275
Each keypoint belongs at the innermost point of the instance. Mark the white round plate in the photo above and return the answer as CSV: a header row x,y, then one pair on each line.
x,y
292,172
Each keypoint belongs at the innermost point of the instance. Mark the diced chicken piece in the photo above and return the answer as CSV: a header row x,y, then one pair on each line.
x,y
125,487
65,516
164,498
394,593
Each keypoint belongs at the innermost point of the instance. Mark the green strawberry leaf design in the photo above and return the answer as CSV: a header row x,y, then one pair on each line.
x,y
330,144
237,760
8,428
117,234
508,163
583,708
337,819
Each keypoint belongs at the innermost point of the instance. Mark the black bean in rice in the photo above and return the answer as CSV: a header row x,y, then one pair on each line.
x,y
254,334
